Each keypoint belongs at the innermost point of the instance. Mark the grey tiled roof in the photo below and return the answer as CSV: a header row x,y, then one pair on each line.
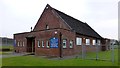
x,y
78,26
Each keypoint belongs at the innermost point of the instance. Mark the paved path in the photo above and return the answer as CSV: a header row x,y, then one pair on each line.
x,y
12,54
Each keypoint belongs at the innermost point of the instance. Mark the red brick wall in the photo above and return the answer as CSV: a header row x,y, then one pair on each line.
x,y
20,38
69,36
51,18
45,36
56,51
88,48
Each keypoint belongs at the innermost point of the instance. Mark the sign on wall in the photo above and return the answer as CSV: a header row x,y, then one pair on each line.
x,y
15,43
54,42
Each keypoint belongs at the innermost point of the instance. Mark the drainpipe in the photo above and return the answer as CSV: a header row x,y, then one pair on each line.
x,y
83,48
32,46
60,45
97,51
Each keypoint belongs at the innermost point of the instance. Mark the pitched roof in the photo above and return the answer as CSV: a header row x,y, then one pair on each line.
x,y
78,26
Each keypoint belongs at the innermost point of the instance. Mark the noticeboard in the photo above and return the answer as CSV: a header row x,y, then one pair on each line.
x,y
54,42
15,43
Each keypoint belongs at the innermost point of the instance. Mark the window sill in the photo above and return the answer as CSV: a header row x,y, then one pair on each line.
x,y
78,45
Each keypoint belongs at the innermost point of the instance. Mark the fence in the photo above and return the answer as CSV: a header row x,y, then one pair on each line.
x,y
93,52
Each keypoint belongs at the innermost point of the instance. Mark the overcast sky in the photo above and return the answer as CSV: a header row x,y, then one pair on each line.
x,y
18,16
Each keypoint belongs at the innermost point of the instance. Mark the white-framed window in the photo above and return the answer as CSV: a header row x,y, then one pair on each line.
x,y
87,41
47,44
64,43
78,41
23,43
42,43
98,42
71,44
38,43
18,44
94,42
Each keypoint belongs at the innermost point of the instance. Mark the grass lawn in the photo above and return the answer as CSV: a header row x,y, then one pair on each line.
x,y
0,62
39,61
105,55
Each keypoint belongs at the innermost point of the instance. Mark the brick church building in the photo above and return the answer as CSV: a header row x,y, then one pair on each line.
x,y
58,34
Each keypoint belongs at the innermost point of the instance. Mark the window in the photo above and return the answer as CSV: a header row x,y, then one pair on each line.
x,y
47,27
38,43
42,43
78,41
87,41
47,44
64,43
18,44
23,43
98,42
71,44
47,7
94,42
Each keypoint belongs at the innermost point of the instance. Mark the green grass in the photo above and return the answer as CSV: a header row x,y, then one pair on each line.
x,y
35,61
106,55
0,62
38,61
